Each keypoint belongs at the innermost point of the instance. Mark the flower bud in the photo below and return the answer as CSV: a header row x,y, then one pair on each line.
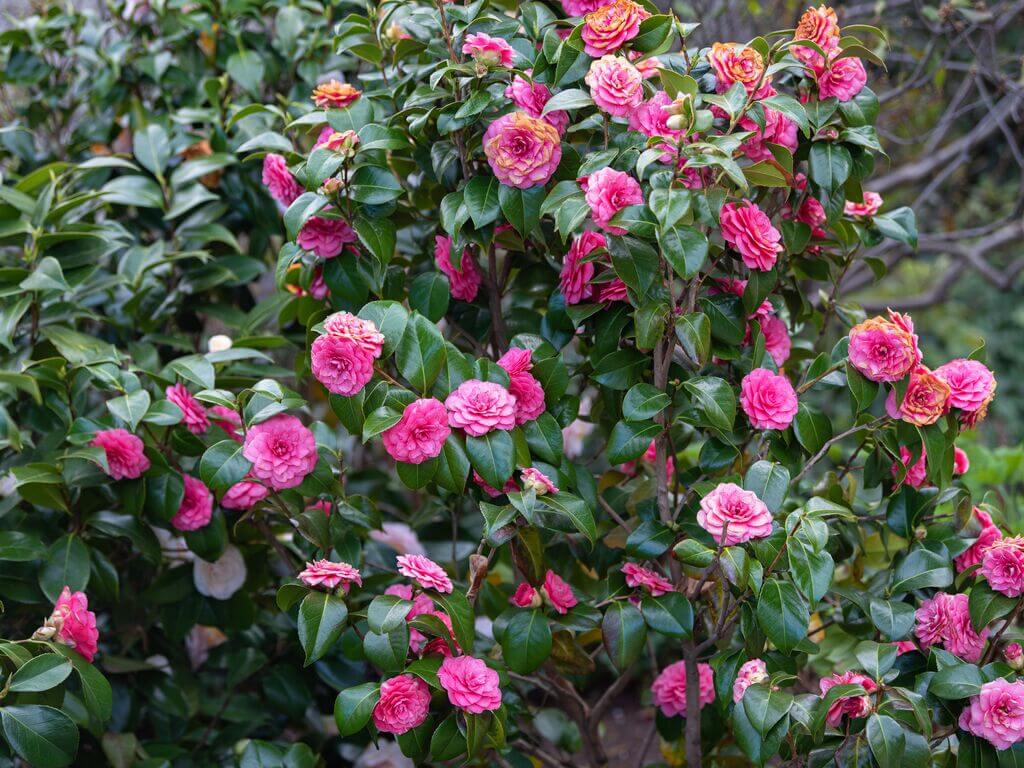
x,y
331,186
394,33
342,142
677,123
1014,656
219,343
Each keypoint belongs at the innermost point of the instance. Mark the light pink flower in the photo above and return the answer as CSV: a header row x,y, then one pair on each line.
x,y
244,495
478,407
525,596
733,64
523,386
989,533
340,365
925,400
945,620
607,192
470,683
883,350
732,515
869,206
487,50
324,573
844,79
776,338
615,85
400,537
196,506
574,281
424,572
362,333
752,672
279,181
1002,564
559,593
522,151
669,688
282,451
848,706
972,385
403,705
325,237
996,714
651,119
538,481
75,623
420,434
531,97
126,456
749,231
194,414
465,280
648,67
228,420
768,399
778,129
611,26
638,576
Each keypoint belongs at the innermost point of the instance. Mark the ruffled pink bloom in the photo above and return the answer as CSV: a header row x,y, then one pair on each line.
x,y
324,573
525,596
424,572
768,399
194,415
1002,564
996,714
75,623
362,333
487,50
244,495
669,688
732,515
613,291
869,206
126,455
916,472
523,386
733,64
282,451
612,26
776,338
471,685
844,79
536,480
559,593
972,385
752,672
325,237
654,583
648,67
581,7
651,119
279,181
228,420
848,706
924,402
574,281
820,26
615,85
961,463
464,281
420,434
403,705
883,350
607,192
778,129
531,97
479,407
748,230
400,537
509,487
340,365
522,151
196,506
945,620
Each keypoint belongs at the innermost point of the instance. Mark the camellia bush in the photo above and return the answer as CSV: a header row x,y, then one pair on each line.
x,y
485,375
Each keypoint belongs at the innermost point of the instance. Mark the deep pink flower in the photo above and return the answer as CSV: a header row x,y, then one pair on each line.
x,y
904,646
844,79
996,714
424,572
420,434
638,576
324,573
669,688
244,495
972,385
945,620
581,7
961,463
525,596
732,515
649,457
778,129
768,399
75,623
523,386
612,26
478,407
194,415
574,281
883,350
538,481
752,672
776,338
510,486
559,593
916,472
340,365
325,237
733,64
924,402
531,97
228,420
870,205
463,281
279,181
1002,564
848,706
522,151
615,85
607,192
282,451
988,534
613,291
126,455
196,506
470,683
441,646
749,231
403,705
487,50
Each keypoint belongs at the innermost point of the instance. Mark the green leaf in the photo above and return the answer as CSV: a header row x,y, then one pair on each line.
x,y
713,400
623,633
649,540
576,510
353,707
130,408
921,569
17,547
387,651
521,207
728,320
670,614
66,564
813,428
378,236
222,465
893,619
770,481
460,612
875,658
42,736
644,401
493,456
694,333
481,198
47,276
887,740
685,248
830,165
629,440
40,674
152,148
986,605
766,707
899,225
526,641
570,98
246,68
447,742
421,353
782,614
386,612
959,681
321,620
373,185
429,294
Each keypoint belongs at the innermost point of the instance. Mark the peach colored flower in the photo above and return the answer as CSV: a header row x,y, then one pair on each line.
x,y
611,26
869,206
883,350
193,413
403,705
558,592
752,672
820,26
615,85
126,456
925,400
972,385
424,572
996,714
768,399
335,95
324,573
669,688
735,64
1002,565
74,623
607,191
464,281
574,280
279,181
471,685
848,706
522,151
479,407
523,386
732,515
487,50
638,576
420,434
196,506
749,231
282,451
531,97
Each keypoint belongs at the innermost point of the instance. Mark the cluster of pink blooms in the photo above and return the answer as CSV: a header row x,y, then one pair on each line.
x,y
842,78
768,399
733,515
342,356
324,573
945,620
555,590
851,705
669,688
73,624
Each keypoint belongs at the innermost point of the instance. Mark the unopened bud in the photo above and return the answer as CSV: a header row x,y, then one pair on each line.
x,y
219,343
682,104
677,123
1014,656
394,33
331,186
342,142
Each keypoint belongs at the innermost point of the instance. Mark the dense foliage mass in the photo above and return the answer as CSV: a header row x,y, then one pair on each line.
x,y
563,430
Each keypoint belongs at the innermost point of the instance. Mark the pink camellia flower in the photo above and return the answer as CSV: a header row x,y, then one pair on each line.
x,y
525,596
669,688
325,237
996,714
522,151
403,705
778,129
574,281
533,479
509,487
463,280
420,434
194,415
987,536
768,399
487,50
324,573
531,97
615,85
820,26
471,685
363,333
945,620
925,400
613,291
581,7
424,572
340,365
196,506
228,420
651,119
869,206
400,537
904,646
126,456
648,66
478,407
1002,564
612,26
279,181
883,350
74,623
654,583
523,386
1013,654
335,95
961,463
607,192
776,338
734,64
344,142
558,592
972,385
732,515
752,672
848,706
916,472
748,230
282,451
843,78
244,494
442,646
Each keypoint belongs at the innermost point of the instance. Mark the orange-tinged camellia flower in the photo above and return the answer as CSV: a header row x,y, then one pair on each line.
x,y
925,400
735,64
335,95
611,26
522,150
819,25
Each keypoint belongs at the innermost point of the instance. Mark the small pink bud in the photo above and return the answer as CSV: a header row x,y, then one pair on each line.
x,y
1014,656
